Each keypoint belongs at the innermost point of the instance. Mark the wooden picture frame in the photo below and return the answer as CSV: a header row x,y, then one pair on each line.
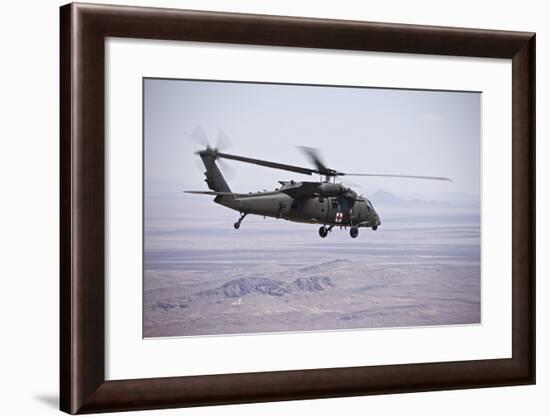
x,y
84,29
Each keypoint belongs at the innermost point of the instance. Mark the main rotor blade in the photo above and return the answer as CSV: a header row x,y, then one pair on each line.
x,y
419,177
268,164
315,157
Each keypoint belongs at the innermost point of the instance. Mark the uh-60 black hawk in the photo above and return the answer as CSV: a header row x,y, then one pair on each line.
x,y
324,202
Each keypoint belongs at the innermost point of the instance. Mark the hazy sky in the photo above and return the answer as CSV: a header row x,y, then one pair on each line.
x,y
367,130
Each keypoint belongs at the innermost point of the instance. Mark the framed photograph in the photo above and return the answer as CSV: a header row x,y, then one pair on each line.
x,y
264,208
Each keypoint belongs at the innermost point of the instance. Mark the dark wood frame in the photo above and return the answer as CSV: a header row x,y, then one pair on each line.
x,y
82,87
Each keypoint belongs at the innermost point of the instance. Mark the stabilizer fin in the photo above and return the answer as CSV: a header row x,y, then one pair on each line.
x,y
221,193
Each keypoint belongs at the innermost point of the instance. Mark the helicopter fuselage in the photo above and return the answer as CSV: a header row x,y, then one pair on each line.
x,y
324,202
307,202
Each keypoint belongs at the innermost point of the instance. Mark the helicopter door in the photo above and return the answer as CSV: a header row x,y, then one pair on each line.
x,y
345,210
333,209
322,208
356,212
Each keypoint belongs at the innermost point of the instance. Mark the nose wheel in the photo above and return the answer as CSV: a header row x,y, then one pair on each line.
x,y
237,224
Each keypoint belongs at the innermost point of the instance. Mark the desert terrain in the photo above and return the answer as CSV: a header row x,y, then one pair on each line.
x,y
202,277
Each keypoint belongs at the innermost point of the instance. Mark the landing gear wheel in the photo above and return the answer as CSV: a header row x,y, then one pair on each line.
x,y
374,227
237,224
354,232
323,231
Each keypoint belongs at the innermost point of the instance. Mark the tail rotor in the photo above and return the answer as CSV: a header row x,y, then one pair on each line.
x,y
199,137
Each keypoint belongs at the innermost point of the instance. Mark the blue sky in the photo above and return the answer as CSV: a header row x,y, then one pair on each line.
x,y
371,130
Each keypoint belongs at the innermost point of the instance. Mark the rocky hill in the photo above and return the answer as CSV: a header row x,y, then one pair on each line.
x,y
270,287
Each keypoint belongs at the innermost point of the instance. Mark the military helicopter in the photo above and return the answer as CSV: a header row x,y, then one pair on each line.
x,y
324,202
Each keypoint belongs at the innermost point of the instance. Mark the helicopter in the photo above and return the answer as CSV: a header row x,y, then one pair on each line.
x,y
325,202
